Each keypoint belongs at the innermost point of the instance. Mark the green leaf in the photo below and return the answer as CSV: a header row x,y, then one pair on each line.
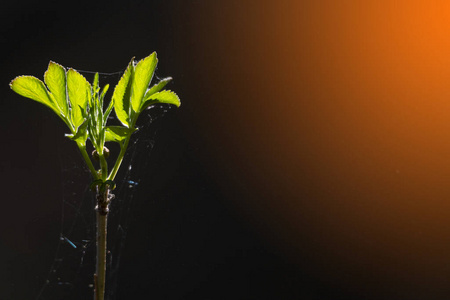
x,y
81,135
165,96
95,86
157,87
79,91
107,112
102,95
143,75
33,88
121,95
117,133
110,105
93,127
55,79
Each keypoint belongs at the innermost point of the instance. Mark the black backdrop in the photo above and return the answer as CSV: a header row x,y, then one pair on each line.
x,y
281,176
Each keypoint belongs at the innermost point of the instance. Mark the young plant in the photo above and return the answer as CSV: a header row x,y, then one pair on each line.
x,y
81,106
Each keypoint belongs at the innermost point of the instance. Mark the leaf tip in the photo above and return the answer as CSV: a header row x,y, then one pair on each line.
x,y
12,82
51,63
177,100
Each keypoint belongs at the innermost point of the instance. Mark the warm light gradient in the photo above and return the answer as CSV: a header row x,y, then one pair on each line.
x,y
333,130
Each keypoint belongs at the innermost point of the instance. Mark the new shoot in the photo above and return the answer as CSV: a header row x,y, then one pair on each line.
x,y
81,106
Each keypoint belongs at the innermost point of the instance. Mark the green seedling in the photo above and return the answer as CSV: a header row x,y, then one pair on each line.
x,y
81,106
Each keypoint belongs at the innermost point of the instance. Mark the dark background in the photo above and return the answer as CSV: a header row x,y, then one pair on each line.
x,y
309,158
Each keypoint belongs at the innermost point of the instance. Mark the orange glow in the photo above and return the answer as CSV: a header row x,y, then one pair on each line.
x,y
337,114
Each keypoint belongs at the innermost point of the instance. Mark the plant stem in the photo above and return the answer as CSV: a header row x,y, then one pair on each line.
x,y
102,220
103,166
88,160
123,149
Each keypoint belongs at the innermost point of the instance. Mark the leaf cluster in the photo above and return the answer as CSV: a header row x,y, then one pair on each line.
x,y
81,105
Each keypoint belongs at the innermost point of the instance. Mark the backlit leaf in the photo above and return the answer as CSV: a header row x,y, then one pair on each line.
x,y
117,133
33,88
157,87
55,79
107,112
121,95
102,95
81,135
79,91
165,96
143,75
